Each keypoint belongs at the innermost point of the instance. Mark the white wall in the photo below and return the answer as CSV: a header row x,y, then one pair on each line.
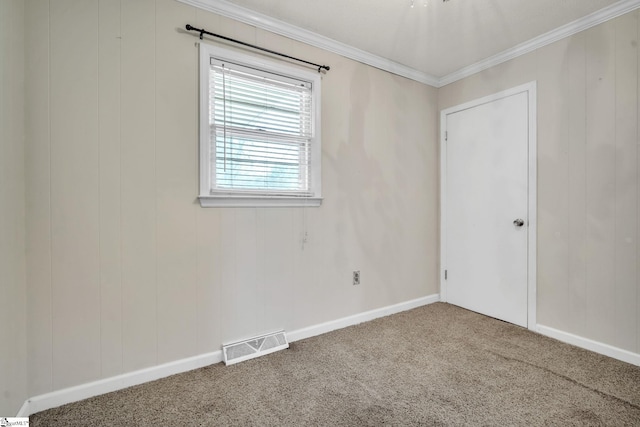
x,y
13,368
126,271
588,177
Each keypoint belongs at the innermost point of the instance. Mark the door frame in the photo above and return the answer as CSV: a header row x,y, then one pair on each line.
x,y
531,89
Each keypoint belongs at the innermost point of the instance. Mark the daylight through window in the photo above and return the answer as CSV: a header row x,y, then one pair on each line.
x,y
262,140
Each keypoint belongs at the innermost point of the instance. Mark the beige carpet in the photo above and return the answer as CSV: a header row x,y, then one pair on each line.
x,y
435,365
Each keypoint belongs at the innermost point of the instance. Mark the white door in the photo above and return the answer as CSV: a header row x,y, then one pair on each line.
x,y
486,189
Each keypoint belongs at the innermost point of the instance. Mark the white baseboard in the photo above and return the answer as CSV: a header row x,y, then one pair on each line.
x,y
332,325
24,410
595,346
107,385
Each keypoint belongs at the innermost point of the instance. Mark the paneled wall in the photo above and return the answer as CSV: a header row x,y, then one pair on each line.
x,y
126,271
13,367
588,176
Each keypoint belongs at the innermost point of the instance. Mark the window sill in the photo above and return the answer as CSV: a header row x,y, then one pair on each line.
x,y
258,202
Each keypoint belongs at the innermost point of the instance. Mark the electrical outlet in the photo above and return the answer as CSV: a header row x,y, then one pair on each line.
x,y
356,277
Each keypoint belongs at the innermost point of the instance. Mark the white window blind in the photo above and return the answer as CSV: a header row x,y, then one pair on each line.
x,y
261,131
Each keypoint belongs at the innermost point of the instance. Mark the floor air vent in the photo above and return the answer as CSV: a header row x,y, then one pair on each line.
x,y
254,347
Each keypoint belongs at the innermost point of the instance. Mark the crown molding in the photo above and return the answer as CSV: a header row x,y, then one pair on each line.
x,y
259,20
598,17
256,19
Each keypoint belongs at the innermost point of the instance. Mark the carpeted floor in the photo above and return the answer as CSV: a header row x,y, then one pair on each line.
x,y
435,365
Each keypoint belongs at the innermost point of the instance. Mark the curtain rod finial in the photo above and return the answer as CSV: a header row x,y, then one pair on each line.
x,y
202,32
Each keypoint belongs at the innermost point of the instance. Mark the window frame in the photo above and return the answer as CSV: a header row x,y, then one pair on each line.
x,y
207,157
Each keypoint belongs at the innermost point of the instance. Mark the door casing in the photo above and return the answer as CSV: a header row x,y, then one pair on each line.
x,y
530,88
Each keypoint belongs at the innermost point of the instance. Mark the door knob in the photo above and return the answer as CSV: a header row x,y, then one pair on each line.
x,y
518,222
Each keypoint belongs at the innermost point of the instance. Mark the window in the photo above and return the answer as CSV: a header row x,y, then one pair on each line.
x,y
259,131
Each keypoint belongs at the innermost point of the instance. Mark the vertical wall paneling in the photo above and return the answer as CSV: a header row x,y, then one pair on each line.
x,y
276,249
626,166
306,265
553,217
38,199
209,266
246,303
109,167
210,256
638,193
331,262
13,317
431,226
138,184
74,189
376,196
260,269
577,225
176,147
125,270
600,125
231,316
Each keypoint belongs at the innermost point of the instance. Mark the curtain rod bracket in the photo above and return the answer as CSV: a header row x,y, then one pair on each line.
x,y
202,32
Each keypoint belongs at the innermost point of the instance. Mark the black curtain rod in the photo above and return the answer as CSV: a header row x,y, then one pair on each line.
x,y
202,31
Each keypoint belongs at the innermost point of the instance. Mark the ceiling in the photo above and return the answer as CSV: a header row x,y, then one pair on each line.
x,y
437,39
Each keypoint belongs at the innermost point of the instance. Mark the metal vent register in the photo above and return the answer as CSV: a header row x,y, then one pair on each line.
x,y
254,347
